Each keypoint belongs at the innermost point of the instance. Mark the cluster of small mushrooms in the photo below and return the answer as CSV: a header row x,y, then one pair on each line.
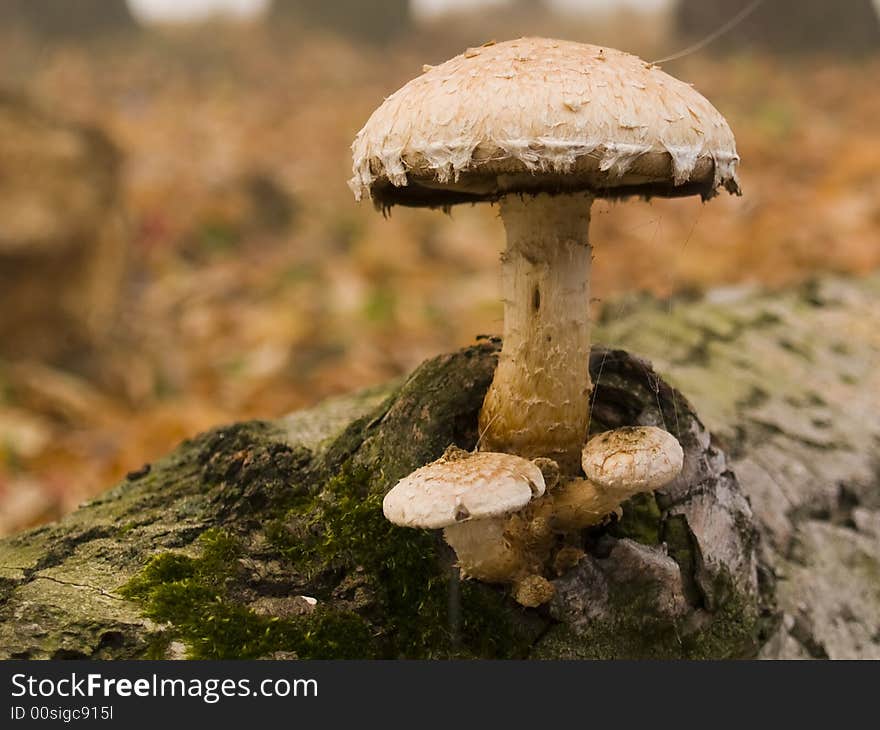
x,y
543,127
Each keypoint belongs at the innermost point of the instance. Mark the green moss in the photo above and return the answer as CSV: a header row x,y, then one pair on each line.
x,y
732,634
729,633
344,530
195,596
340,532
640,520
682,548
157,646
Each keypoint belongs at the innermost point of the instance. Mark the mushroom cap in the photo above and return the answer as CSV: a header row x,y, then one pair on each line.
x,y
541,115
633,459
464,487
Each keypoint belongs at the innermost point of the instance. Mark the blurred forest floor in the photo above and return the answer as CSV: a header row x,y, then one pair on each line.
x,y
258,286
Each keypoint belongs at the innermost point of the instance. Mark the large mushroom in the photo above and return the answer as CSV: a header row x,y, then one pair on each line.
x,y
543,127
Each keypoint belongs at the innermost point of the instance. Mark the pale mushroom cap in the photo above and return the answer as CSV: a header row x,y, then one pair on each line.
x,y
541,115
470,486
633,459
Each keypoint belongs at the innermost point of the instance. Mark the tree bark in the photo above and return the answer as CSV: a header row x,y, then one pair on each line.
x,y
789,384
211,551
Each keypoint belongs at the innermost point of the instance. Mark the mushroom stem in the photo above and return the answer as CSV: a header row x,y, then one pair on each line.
x,y
538,403
580,503
484,552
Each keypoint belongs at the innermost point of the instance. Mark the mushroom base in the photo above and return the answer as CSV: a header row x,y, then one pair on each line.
x,y
521,549
505,550
484,551
577,504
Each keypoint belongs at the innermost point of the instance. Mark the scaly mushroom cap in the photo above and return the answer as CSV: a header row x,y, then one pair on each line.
x,y
633,459
540,115
461,486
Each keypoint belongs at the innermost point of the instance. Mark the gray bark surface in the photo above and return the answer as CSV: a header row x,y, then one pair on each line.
x,y
789,384
783,499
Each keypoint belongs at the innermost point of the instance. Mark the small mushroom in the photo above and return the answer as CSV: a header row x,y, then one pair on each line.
x,y
618,464
632,459
471,495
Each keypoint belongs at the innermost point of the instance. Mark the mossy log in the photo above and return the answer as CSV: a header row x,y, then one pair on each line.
x,y
266,539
